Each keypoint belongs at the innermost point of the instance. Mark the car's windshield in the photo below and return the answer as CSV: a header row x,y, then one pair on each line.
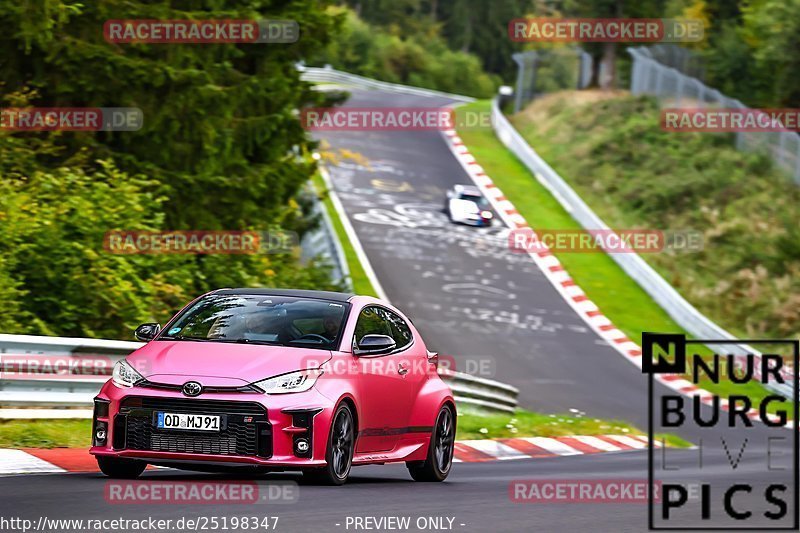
x,y
258,319
478,199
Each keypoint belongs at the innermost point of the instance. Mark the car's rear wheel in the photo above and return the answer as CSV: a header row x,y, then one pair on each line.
x,y
339,453
440,452
118,468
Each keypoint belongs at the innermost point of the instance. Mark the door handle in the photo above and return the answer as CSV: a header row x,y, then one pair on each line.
x,y
402,370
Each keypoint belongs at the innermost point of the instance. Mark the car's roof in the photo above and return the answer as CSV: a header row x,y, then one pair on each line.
x,y
321,295
468,189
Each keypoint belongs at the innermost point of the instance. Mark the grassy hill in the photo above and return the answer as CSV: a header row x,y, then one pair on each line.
x,y
611,149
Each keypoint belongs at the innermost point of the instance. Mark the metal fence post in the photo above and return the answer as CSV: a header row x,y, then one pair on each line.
x,y
797,162
648,76
520,77
701,92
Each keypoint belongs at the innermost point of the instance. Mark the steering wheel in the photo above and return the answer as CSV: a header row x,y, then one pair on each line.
x,y
313,336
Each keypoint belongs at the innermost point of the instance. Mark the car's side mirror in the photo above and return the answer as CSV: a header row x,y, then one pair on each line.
x,y
374,345
147,332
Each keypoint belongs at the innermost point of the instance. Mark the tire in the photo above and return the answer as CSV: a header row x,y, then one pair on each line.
x,y
440,451
118,468
339,452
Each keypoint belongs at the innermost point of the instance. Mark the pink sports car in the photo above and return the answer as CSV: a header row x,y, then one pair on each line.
x,y
272,380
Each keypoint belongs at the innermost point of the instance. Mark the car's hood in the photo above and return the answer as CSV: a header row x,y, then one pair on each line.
x,y
463,207
220,364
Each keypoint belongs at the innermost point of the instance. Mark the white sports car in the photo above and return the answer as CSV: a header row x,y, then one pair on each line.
x,y
466,205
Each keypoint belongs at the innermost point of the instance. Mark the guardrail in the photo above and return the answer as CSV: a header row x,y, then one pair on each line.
x,y
322,242
329,75
52,387
684,313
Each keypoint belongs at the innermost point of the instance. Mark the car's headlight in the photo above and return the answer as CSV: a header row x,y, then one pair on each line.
x,y
299,381
125,375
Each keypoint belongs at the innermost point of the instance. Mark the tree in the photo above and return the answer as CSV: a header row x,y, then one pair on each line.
x,y
605,54
221,148
772,28
220,127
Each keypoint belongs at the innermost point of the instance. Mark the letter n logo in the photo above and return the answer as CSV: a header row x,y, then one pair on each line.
x,y
663,353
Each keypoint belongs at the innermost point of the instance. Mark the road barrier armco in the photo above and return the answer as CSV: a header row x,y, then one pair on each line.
x,y
684,313
36,392
329,75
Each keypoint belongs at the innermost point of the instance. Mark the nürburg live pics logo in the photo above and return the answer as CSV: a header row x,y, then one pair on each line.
x,y
737,407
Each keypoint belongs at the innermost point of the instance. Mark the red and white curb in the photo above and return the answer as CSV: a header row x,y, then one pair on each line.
x,y
64,460
572,293
471,451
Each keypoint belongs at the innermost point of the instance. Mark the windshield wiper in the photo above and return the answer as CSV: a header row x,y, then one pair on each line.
x,y
183,338
230,341
248,341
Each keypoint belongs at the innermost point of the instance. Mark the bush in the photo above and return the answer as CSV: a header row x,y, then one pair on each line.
x,y
57,279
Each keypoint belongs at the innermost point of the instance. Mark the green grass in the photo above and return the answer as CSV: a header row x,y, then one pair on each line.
x,y
529,424
45,433
361,283
76,433
612,150
620,298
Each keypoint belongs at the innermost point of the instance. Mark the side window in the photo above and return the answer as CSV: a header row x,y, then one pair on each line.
x,y
372,322
400,330
380,321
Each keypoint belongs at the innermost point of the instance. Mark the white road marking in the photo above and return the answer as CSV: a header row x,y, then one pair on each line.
x,y
351,234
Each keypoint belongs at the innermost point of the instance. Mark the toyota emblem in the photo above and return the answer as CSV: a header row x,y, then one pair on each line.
x,y
192,388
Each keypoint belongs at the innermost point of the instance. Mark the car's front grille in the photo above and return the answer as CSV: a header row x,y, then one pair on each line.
x,y
242,389
246,429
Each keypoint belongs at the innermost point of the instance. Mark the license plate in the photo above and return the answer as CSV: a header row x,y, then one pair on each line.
x,y
188,421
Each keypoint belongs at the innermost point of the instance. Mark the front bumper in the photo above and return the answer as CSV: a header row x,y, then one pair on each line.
x,y
257,429
472,220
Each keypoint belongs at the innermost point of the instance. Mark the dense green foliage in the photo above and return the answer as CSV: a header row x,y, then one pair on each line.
x,y
750,46
419,59
613,151
221,148
752,52
470,26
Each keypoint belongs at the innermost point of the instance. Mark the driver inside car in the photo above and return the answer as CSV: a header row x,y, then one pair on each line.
x,y
331,326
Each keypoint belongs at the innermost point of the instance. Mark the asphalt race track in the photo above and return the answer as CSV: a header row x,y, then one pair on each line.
x,y
475,495
474,300
469,296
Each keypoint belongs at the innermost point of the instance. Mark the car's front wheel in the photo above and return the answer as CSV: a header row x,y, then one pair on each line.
x,y
118,468
339,454
440,452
